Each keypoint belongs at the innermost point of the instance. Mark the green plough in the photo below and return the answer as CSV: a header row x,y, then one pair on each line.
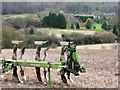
x,y
63,65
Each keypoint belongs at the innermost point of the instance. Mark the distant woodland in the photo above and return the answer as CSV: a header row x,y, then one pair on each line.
x,y
67,7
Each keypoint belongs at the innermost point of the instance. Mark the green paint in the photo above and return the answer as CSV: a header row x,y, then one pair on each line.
x,y
9,64
49,79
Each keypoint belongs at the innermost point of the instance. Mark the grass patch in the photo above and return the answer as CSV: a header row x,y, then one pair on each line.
x,y
97,25
19,15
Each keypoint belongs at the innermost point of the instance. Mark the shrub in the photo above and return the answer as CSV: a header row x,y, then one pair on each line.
x,y
17,22
42,36
32,21
77,37
8,34
88,39
106,37
23,22
97,38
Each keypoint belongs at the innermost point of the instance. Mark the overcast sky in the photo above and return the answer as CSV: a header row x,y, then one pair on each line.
x,y
60,0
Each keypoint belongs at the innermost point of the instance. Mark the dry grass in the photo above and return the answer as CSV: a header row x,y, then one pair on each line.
x,y
59,32
99,46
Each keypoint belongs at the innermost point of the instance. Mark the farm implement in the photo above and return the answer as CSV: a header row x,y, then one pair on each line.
x,y
69,65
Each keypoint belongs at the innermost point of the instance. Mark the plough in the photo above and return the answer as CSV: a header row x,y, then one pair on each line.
x,y
71,65
9,64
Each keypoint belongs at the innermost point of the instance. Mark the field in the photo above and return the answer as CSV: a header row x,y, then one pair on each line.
x,y
59,32
101,66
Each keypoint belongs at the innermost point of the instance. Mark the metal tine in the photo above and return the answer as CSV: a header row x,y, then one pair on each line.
x,y
40,43
14,57
22,52
64,43
16,42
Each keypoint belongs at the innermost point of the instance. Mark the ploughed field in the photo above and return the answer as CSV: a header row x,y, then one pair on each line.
x,y
101,66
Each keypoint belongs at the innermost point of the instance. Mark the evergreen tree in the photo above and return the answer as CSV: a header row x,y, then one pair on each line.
x,y
53,20
31,30
61,21
104,25
77,26
108,27
115,30
88,23
72,26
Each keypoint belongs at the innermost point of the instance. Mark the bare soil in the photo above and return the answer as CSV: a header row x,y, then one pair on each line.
x,y
101,66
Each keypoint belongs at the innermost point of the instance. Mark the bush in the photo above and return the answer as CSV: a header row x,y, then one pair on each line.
x,y
106,37
78,38
23,22
97,38
91,39
42,36
32,21
17,23
88,39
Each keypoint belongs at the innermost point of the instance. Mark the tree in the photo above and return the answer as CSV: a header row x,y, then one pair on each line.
x,y
31,30
115,30
108,27
56,21
61,21
77,26
72,26
88,23
104,25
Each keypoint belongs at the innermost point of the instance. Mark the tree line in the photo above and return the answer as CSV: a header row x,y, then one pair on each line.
x,y
82,7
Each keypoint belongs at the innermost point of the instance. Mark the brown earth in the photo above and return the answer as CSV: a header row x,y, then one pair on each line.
x,y
101,66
